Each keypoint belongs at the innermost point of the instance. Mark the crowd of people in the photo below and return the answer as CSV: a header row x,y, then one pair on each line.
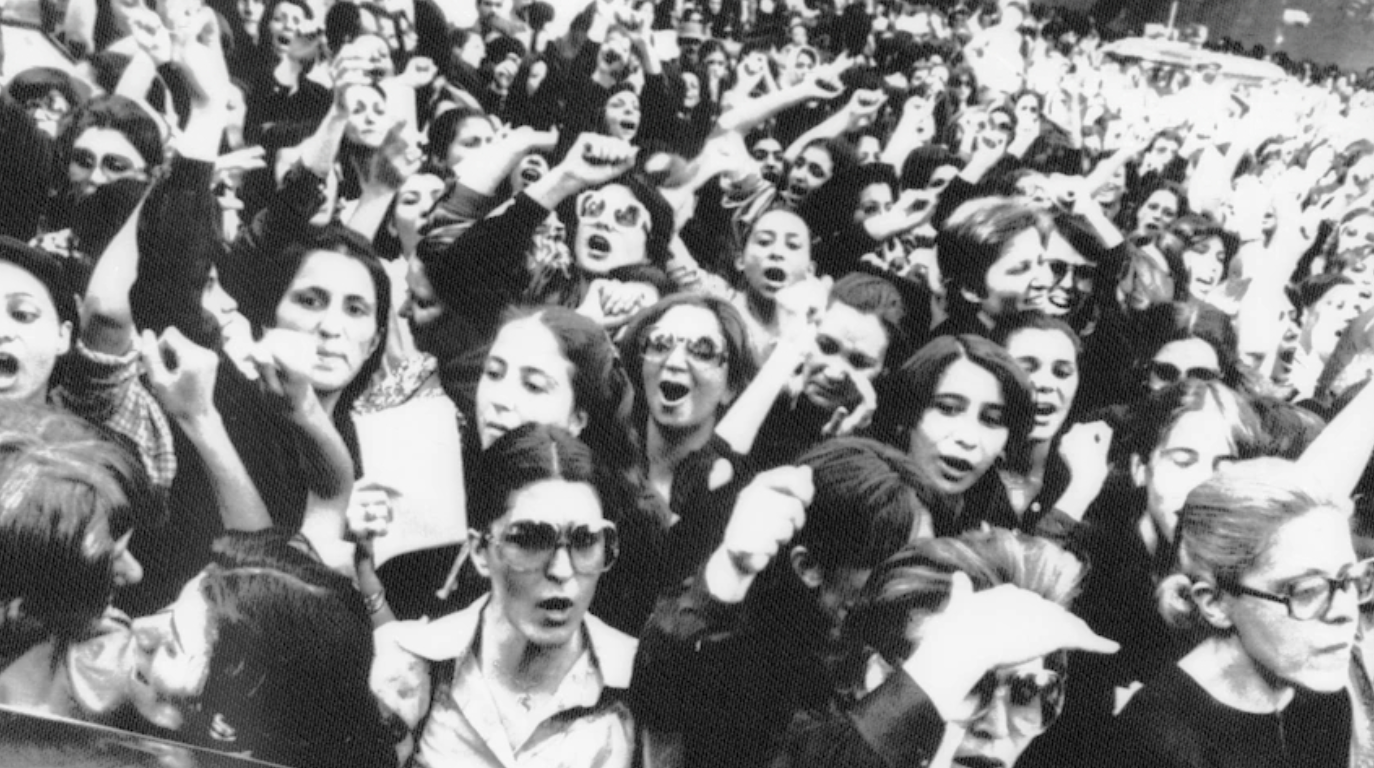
x,y
863,384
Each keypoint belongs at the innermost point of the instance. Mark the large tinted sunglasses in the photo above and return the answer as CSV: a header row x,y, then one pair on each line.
x,y
1033,699
1080,272
1171,374
703,350
530,545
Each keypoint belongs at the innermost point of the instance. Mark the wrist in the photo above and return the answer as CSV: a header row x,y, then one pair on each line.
x,y
724,581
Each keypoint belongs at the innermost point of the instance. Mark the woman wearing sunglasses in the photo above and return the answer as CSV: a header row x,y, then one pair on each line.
x,y
930,676
1266,572
524,675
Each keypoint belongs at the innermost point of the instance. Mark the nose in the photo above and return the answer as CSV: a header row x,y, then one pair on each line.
x,y
560,566
965,432
677,358
331,323
994,724
127,570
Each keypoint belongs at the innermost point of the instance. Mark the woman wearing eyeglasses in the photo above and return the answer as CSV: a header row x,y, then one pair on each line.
x,y
523,676
930,674
1266,572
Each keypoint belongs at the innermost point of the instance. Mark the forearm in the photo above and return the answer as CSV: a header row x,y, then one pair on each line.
x,y
241,507
107,317
749,115
324,458
319,151
740,425
371,211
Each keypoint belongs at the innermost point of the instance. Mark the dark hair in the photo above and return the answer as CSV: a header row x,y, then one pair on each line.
x,y
265,23
47,269
911,388
1190,231
115,113
975,237
444,128
661,226
1035,320
830,208
599,384
529,454
876,296
67,494
1306,294
741,365
870,500
1162,324
920,166
259,304
37,82
1129,215
291,649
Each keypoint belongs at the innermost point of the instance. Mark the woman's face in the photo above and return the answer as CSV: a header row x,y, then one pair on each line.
x,y
233,326
526,380
776,255
367,121
612,229
48,111
1027,110
543,607
1314,654
250,11
1048,358
474,134
813,168
691,90
168,659
32,336
874,199
1326,320
686,368
287,21
1206,265
530,169
717,65
1110,193
1072,274
1020,278
1186,456
1158,212
414,201
622,115
768,152
998,736
103,155
850,345
963,429
333,298
1184,358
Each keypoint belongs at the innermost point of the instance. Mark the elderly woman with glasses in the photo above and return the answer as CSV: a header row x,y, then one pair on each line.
x,y
1266,572
524,675
931,676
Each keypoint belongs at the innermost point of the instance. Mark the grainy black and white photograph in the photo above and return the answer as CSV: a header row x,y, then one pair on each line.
x,y
686,383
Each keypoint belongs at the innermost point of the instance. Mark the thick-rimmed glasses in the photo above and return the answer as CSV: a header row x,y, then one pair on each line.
x,y
1309,597
1172,374
529,546
702,351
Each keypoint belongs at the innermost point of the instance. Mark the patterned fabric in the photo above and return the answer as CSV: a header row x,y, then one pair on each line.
x,y
414,377
106,390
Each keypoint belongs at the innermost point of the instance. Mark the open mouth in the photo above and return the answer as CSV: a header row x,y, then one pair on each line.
x,y
283,40
611,58
673,392
797,189
629,126
1045,409
531,175
954,469
775,274
556,604
599,245
9,364
973,761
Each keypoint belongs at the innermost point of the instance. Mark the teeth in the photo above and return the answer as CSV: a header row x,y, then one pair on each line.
x,y
9,365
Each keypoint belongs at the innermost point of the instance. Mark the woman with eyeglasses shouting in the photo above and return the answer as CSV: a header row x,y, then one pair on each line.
x,y
932,676
524,675
1266,572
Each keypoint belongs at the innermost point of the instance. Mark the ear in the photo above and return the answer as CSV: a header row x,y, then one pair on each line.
x,y
739,262
578,422
1208,600
478,551
64,338
806,568
1140,472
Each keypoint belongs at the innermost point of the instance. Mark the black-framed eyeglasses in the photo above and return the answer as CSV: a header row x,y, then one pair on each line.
x,y
702,350
1034,699
530,545
1172,374
1309,597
